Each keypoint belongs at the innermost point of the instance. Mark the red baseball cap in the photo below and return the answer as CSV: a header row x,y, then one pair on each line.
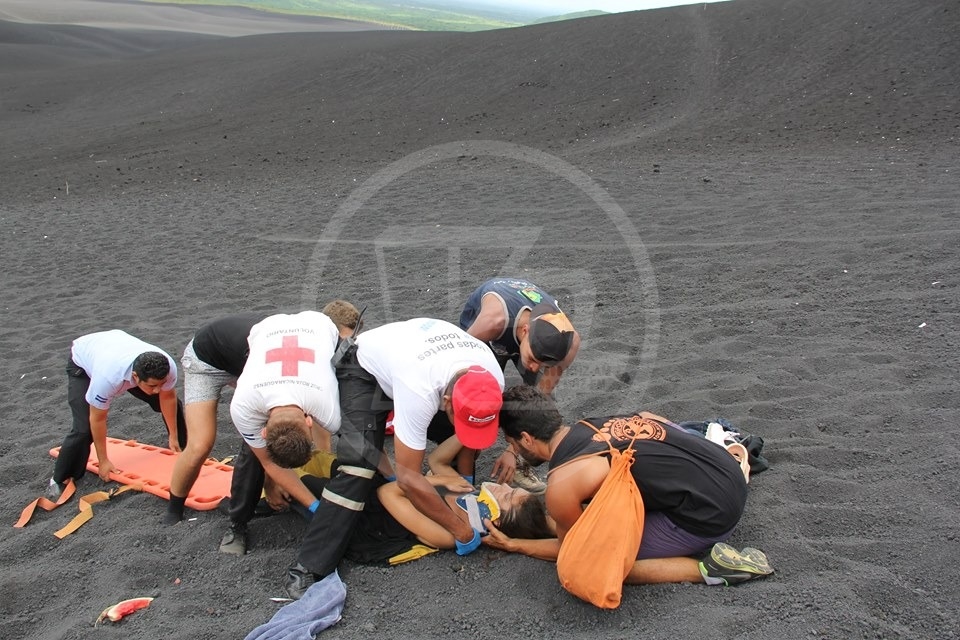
x,y
477,399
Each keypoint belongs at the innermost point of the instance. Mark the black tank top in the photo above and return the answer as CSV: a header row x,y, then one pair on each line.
x,y
693,481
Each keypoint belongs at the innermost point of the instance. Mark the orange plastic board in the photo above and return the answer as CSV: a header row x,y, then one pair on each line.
x,y
150,466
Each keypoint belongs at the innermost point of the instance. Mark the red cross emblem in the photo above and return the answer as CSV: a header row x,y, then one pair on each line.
x,y
290,355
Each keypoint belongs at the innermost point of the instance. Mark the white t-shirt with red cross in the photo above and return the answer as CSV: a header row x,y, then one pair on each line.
x,y
414,361
289,364
107,357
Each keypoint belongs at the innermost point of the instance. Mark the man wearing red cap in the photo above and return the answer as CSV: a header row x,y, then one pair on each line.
x,y
418,368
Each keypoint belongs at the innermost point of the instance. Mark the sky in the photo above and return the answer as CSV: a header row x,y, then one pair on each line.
x,y
612,6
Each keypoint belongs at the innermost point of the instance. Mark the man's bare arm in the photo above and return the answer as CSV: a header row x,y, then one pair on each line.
x,y
98,431
572,485
168,409
491,321
542,549
422,495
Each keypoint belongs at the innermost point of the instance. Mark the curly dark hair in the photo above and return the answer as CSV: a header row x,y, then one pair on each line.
x,y
528,521
151,365
528,409
287,444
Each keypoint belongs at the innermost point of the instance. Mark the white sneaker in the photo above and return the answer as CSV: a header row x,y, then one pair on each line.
x,y
53,490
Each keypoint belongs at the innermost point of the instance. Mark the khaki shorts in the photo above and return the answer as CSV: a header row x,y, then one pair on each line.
x,y
202,382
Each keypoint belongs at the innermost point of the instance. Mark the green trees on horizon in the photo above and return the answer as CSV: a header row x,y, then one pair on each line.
x,y
384,13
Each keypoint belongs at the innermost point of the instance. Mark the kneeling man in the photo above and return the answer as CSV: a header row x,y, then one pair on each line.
x,y
286,398
693,490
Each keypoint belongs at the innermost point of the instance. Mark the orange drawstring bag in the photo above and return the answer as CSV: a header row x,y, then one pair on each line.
x,y
600,548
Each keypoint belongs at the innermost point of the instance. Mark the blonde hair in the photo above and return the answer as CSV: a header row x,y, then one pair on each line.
x,y
343,314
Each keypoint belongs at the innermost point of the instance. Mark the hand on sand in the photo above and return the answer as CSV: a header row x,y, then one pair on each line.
x,y
504,467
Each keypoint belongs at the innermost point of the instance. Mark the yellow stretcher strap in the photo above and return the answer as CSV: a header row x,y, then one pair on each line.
x,y
45,504
415,552
86,507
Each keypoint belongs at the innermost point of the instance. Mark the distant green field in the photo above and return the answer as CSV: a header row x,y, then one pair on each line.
x,y
571,16
387,14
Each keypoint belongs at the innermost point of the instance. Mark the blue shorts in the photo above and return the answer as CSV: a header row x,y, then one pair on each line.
x,y
663,539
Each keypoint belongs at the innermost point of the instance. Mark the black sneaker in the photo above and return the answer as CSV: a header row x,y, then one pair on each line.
x,y
234,541
298,580
725,565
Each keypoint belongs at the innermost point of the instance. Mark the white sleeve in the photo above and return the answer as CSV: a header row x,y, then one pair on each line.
x,y
248,420
100,393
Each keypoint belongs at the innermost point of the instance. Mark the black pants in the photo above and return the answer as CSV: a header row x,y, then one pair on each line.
x,y
246,486
75,450
363,411
377,537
